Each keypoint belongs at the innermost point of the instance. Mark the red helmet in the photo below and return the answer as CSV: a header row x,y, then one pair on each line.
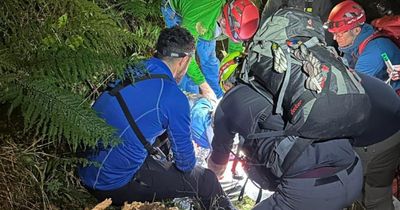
x,y
345,16
241,18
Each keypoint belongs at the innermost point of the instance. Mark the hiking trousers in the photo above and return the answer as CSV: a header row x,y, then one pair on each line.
x,y
380,161
333,192
160,180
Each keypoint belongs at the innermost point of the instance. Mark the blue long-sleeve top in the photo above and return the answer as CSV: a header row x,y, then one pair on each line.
x,y
370,61
157,105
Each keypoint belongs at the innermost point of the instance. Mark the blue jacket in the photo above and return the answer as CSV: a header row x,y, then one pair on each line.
x,y
370,61
201,116
156,105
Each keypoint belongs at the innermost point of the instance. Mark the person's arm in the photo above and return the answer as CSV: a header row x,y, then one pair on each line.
x,y
371,62
221,144
194,72
175,108
198,78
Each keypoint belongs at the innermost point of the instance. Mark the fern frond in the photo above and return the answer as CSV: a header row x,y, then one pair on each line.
x,y
71,67
145,38
66,40
57,113
7,61
142,10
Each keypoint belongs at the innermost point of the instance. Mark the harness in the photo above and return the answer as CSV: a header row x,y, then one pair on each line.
x,y
115,91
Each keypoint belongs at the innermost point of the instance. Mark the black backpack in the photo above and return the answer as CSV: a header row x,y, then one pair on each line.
x,y
317,95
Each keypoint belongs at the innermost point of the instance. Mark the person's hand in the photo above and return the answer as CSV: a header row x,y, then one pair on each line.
x,y
394,75
216,168
207,92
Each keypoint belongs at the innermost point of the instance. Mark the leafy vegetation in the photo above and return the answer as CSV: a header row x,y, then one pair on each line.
x,y
246,204
55,57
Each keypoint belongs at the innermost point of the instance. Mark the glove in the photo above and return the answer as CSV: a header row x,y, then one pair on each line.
x,y
394,75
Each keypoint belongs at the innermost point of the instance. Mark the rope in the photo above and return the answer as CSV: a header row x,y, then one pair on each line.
x,y
311,66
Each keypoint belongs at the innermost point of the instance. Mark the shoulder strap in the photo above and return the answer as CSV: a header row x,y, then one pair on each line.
x,y
364,43
116,92
127,81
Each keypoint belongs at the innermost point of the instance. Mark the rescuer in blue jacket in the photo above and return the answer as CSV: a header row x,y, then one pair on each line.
x,y
127,172
346,22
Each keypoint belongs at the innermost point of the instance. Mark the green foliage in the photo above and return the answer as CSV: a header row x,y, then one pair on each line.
x,y
57,112
55,57
38,176
246,204
144,40
142,10
49,48
143,18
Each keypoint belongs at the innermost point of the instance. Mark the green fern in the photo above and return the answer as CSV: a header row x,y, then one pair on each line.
x,y
48,49
145,38
55,57
58,113
144,20
142,10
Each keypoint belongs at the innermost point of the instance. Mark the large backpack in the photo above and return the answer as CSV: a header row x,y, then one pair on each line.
x,y
386,26
320,8
317,95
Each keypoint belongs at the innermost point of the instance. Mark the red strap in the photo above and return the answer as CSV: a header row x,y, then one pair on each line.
x,y
364,43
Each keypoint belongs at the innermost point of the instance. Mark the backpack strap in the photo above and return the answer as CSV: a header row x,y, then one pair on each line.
x,y
116,92
267,134
364,43
294,153
290,153
285,83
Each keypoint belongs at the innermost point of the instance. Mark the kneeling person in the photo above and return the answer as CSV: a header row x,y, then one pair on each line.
x,y
127,172
326,175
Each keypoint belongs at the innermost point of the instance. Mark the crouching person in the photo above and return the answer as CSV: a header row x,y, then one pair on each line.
x,y
140,112
324,175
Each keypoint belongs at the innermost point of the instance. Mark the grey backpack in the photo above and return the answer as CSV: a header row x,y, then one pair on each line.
x,y
317,95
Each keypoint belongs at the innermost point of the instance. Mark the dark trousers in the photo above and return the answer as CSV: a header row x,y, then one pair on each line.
x,y
328,193
380,161
156,181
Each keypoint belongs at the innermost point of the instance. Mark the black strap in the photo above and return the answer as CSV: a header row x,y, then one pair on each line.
x,y
134,126
128,81
259,195
297,149
267,134
116,92
241,194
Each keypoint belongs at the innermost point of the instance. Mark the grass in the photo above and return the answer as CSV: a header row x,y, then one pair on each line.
x,y
246,204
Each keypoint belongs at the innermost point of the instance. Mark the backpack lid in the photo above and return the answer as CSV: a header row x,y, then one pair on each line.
x,y
288,23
